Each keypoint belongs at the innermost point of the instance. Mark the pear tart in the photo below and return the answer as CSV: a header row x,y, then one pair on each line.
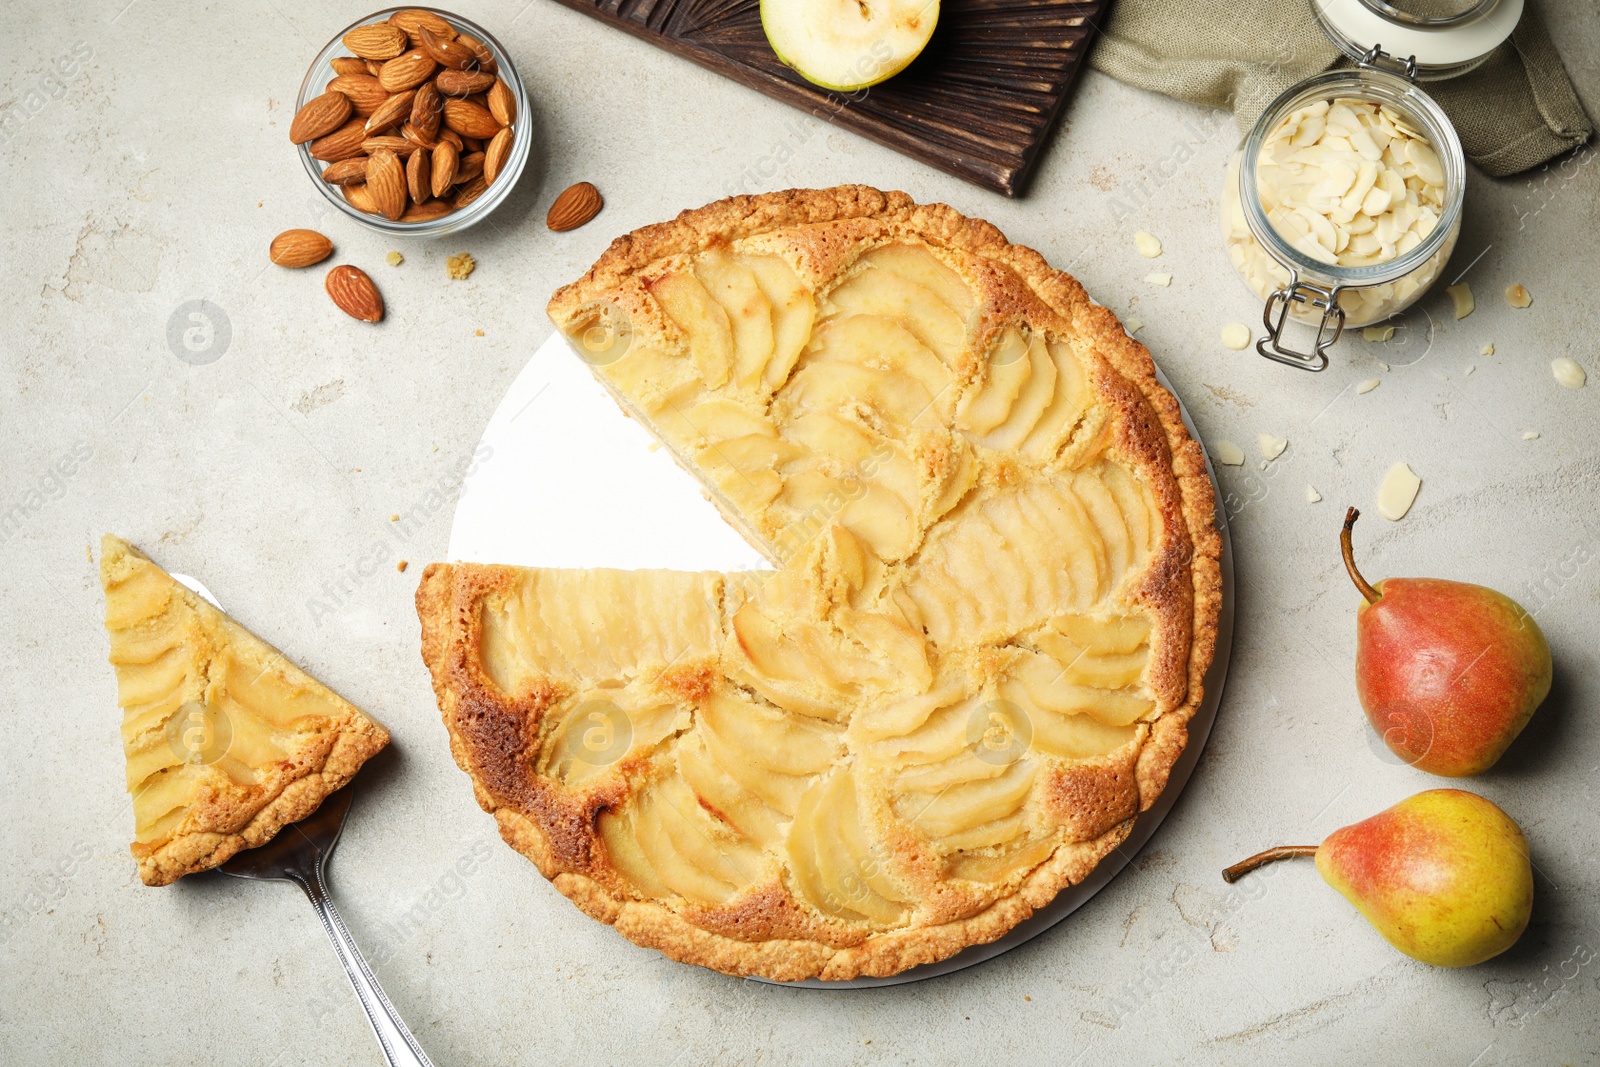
x,y
994,598
227,742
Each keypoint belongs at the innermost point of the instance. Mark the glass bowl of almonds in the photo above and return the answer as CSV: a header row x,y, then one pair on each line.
x,y
413,121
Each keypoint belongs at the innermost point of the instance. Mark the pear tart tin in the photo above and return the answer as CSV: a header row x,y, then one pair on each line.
x,y
995,595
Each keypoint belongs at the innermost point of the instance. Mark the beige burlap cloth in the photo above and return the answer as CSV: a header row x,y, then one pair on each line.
x,y
1514,111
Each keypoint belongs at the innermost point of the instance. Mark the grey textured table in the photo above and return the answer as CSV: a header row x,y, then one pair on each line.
x,y
154,174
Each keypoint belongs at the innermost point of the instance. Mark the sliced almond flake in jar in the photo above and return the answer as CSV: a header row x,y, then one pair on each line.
x,y
1363,143
1461,296
1308,130
1425,160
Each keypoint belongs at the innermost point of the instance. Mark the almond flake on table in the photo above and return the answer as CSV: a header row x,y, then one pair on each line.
x,y
1530,435
1133,324
1487,350
1312,496
1398,492
1461,296
1368,386
1378,333
1568,372
1237,336
1148,244
1518,296
1271,447
1228,454
1158,279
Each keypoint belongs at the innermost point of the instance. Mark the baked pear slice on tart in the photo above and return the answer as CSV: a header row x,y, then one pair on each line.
x,y
227,742
994,597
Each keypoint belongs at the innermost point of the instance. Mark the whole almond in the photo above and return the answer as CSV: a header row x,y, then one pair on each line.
x,y
427,108
445,161
366,93
462,82
393,112
576,205
413,19
470,191
414,135
419,177
502,104
299,248
386,181
494,157
469,167
469,144
352,171
469,120
373,67
447,134
320,117
433,209
486,61
446,52
353,293
341,143
407,71
398,145
348,65
380,40
359,198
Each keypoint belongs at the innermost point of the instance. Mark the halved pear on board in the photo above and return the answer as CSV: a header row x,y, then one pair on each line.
x,y
847,45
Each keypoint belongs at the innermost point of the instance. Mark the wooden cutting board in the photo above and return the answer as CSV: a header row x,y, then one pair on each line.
x,y
979,102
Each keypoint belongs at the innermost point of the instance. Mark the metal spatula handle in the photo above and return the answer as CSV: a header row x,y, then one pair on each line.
x,y
400,1049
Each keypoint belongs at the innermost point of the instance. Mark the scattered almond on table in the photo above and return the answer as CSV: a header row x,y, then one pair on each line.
x,y
576,205
299,248
353,293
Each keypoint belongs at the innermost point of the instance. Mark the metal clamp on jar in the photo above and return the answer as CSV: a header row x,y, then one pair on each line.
x,y
1343,203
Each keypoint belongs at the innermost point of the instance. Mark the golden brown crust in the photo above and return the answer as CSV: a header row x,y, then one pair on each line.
x,y
191,853
764,933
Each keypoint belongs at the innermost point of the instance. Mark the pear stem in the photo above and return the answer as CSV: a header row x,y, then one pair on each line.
x,y
1244,867
1367,591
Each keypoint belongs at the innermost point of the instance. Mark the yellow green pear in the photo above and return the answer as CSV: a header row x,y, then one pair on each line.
x,y
847,45
1444,876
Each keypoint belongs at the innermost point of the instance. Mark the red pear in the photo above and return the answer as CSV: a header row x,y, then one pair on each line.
x,y
1448,672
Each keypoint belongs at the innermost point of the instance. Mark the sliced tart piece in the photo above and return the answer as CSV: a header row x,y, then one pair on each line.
x,y
227,741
